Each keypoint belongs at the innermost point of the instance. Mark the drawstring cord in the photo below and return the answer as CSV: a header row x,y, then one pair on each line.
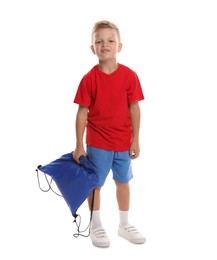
x,y
79,233
49,183
78,224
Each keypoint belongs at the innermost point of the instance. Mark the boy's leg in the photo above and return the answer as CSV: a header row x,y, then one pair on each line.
x,y
96,202
123,199
96,220
102,160
122,174
126,230
97,233
123,195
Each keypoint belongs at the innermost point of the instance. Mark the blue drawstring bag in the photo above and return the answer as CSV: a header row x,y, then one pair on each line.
x,y
74,181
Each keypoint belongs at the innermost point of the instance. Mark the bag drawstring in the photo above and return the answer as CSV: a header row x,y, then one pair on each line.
x,y
79,233
49,183
78,224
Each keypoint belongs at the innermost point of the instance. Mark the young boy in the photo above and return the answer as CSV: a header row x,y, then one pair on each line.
x,y
108,109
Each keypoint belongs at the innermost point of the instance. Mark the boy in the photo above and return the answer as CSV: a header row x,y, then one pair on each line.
x,y
108,109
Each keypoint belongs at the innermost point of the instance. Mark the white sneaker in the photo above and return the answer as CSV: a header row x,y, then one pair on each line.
x,y
131,234
99,237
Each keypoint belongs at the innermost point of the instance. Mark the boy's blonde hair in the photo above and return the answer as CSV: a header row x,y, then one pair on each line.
x,y
105,24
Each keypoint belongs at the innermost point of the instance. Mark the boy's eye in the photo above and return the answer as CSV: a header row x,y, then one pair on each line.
x,y
101,42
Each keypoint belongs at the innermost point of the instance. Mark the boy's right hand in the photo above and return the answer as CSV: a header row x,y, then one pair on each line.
x,y
78,152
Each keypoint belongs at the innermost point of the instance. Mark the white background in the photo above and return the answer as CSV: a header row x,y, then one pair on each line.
x,y
44,52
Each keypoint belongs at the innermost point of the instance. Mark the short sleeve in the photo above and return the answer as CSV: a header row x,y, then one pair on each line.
x,y
134,91
83,94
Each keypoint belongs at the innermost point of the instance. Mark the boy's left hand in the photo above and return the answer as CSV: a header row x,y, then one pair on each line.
x,y
134,151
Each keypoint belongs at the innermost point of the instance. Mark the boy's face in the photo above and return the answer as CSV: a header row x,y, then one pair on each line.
x,y
106,44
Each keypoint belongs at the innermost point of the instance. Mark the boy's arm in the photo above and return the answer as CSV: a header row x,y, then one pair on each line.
x,y
80,124
135,122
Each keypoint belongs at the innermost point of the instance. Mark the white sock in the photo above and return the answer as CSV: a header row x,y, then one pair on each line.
x,y
123,218
96,220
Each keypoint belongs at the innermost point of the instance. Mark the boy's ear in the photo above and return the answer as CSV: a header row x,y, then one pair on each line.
x,y
120,47
92,49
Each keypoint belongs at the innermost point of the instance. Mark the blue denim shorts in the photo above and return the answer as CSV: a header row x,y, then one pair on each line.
x,y
105,160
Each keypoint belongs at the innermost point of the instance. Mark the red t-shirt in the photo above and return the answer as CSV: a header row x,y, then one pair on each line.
x,y
108,96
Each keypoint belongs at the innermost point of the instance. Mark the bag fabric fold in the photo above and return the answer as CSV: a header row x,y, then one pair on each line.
x,y
75,181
